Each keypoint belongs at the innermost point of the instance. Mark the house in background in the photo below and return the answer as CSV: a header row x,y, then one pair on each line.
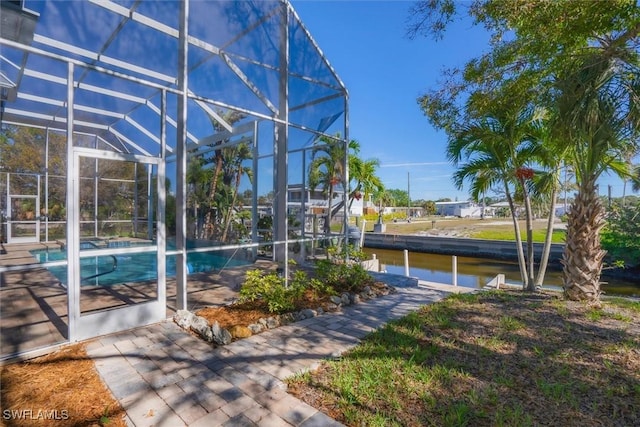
x,y
465,209
310,207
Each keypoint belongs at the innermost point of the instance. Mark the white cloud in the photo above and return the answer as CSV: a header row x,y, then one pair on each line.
x,y
402,165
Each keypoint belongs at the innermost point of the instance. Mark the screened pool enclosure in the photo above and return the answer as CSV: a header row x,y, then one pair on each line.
x,y
148,150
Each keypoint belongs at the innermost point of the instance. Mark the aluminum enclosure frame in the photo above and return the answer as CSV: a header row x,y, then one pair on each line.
x,y
283,89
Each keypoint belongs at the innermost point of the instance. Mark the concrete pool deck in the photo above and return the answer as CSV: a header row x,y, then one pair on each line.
x,y
163,376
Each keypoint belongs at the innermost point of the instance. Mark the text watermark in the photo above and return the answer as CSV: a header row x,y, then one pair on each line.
x,y
35,414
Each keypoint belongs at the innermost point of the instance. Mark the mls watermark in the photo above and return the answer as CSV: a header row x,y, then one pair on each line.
x,y
35,414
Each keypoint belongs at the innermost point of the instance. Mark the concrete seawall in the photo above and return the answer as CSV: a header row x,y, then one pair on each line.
x,y
494,249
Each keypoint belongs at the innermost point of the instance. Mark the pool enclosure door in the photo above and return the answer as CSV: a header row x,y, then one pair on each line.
x,y
117,267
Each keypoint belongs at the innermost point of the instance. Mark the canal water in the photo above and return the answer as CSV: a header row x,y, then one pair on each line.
x,y
476,272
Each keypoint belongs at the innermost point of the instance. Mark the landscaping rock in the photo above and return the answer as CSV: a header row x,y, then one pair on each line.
x,y
255,328
308,313
238,331
272,323
335,299
345,299
355,299
184,318
220,335
332,307
200,326
287,318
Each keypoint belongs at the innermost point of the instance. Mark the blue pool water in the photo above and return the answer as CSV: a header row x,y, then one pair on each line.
x,y
130,268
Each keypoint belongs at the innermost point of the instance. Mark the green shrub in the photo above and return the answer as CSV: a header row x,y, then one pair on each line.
x,y
343,277
339,253
373,218
621,236
331,279
271,289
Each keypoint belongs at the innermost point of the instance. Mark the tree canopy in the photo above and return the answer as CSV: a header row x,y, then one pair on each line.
x,y
524,62
582,73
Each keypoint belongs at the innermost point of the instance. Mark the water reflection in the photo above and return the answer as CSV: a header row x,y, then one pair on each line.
x,y
476,272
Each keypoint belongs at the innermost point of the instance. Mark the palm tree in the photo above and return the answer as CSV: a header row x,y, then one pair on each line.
x,y
635,179
234,170
218,157
498,151
364,178
197,180
328,170
598,120
546,187
383,198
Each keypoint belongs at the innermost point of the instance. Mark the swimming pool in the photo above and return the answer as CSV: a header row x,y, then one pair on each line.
x,y
130,268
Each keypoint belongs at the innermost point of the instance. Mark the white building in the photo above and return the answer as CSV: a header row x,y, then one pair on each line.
x,y
316,202
465,209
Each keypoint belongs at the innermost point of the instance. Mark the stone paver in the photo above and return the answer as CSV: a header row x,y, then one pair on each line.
x,y
165,376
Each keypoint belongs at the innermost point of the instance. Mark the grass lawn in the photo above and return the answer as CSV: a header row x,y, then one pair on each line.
x,y
558,236
493,228
500,358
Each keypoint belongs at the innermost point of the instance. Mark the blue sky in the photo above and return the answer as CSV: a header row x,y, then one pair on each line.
x,y
385,72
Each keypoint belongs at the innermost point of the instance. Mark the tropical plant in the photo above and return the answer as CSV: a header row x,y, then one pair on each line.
x,y
621,235
498,151
383,199
218,158
343,277
197,178
362,174
429,207
635,179
233,171
583,67
598,121
328,169
545,185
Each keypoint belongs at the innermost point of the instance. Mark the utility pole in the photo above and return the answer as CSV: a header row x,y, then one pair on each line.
x,y
409,195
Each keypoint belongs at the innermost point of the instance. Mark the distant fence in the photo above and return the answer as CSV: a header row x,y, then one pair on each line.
x,y
494,249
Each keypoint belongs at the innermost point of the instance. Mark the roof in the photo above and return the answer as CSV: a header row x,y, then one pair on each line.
x,y
125,56
466,202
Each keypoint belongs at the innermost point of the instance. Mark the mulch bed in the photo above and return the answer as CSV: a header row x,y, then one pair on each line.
x,y
59,389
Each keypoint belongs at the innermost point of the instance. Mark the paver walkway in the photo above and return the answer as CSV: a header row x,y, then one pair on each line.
x,y
164,376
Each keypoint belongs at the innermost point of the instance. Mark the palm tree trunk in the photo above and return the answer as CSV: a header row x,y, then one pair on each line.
x,y
327,224
530,285
208,227
233,203
583,255
544,260
516,227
